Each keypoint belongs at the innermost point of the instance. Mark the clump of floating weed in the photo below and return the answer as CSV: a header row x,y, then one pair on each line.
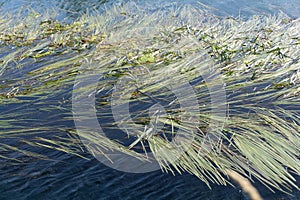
x,y
36,27
259,63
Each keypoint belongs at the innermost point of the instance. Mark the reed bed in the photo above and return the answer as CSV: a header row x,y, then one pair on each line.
x,y
257,60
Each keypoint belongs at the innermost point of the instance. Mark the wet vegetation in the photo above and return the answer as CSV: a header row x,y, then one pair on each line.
x,y
258,60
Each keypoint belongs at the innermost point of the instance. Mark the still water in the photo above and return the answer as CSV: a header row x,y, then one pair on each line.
x,y
70,177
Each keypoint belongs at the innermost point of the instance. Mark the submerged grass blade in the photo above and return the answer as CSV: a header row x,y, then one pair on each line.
x,y
258,60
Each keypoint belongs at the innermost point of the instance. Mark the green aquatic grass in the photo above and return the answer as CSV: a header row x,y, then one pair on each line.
x,y
258,59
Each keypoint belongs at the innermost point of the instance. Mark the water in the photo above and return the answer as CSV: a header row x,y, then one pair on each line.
x,y
70,177
223,7
78,179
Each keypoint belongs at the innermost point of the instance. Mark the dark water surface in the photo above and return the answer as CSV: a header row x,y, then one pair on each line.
x,y
71,177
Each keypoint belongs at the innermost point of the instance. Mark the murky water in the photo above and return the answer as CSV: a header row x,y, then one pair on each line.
x,y
70,177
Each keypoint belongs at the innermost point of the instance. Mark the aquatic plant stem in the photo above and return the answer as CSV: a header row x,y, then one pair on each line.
x,y
245,184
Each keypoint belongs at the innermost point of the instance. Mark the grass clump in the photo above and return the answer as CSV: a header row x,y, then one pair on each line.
x,y
259,63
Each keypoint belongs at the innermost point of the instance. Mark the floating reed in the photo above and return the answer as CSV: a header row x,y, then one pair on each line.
x,y
257,60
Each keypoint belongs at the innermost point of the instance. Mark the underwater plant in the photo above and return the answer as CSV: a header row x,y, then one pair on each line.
x,y
181,87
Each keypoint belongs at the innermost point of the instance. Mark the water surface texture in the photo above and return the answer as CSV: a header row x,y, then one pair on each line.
x,y
224,7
